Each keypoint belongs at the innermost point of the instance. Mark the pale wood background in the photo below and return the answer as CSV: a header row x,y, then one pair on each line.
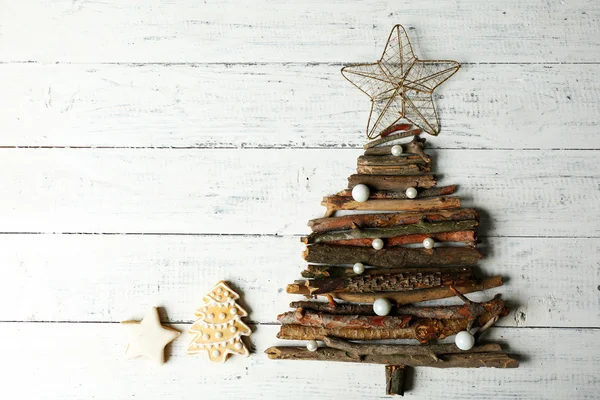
x,y
151,148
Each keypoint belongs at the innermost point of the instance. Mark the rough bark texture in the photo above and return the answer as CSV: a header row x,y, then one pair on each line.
x,y
422,329
394,380
410,169
391,182
364,221
467,237
390,160
427,204
402,131
414,296
392,231
332,271
332,321
391,257
364,349
385,194
470,311
461,360
399,282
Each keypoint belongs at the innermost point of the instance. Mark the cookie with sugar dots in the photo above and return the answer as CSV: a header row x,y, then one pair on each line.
x,y
219,328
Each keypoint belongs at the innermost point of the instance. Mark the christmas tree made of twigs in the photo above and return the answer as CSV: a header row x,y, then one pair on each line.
x,y
391,239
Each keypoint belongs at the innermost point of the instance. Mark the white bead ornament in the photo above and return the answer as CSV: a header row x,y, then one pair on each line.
x,y
411,192
218,335
216,353
312,345
464,340
233,329
382,307
233,311
428,243
361,193
397,150
222,315
238,346
377,244
358,268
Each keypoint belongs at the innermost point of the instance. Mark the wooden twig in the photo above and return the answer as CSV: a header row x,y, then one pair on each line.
x,y
414,147
394,380
392,182
414,296
486,310
422,329
391,257
393,231
432,350
399,282
332,271
461,360
332,321
467,237
386,194
404,132
410,169
390,160
427,204
364,221
485,327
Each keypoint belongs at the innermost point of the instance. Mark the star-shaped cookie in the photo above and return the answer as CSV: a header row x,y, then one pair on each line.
x,y
400,86
148,337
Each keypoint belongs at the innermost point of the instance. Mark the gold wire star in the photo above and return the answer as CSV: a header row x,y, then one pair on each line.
x,y
400,86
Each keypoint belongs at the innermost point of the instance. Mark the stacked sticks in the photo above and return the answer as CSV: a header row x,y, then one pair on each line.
x,y
414,243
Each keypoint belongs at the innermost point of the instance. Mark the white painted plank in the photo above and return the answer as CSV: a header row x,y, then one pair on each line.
x,y
234,31
560,364
549,282
525,193
285,105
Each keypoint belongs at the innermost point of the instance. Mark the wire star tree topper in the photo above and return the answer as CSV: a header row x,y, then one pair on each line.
x,y
400,87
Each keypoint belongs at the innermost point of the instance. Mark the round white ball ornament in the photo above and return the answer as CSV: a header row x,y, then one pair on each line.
x,y
377,244
382,307
361,193
464,340
312,345
411,192
397,150
358,268
428,243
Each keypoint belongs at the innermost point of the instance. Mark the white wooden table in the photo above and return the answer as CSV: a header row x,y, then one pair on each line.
x,y
151,148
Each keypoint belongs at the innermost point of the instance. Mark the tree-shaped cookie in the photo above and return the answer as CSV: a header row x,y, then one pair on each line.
x,y
219,328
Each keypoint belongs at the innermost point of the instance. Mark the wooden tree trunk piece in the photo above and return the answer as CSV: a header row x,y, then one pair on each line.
x,y
415,296
422,329
427,204
409,169
394,380
398,282
391,182
467,237
383,220
391,257
461,360
393,231
332,321
332,271
470,311
385,194
402,131
390,160
432,350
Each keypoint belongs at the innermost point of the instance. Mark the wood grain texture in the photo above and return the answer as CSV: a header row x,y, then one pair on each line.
x,y
305,31
550,282
285,105
267,192
94,353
